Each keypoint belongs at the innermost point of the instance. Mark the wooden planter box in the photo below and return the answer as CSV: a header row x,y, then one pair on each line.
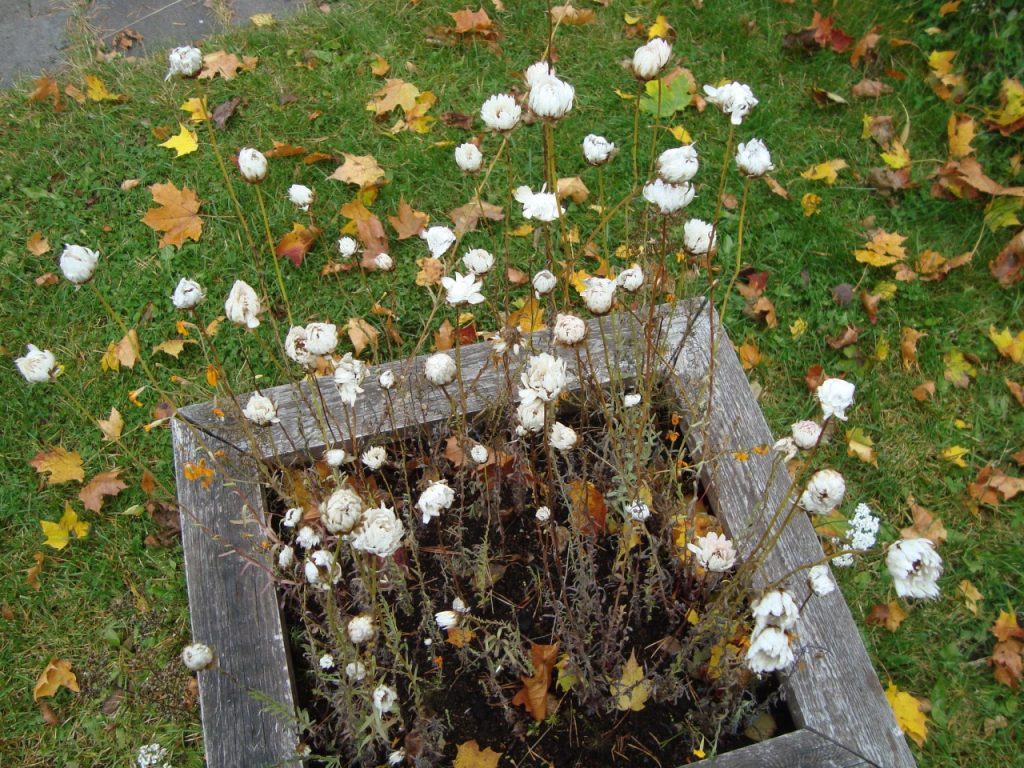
x,y
843,719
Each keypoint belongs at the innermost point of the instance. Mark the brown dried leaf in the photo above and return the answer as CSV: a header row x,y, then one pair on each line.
x,y
32,574
431,271
296,244
57,674
408,222
224,112
926,525
573,188
534,693
101,485
847,337
1016,390
467,217
36,244
469,22
1008,266
284,149
889,616
571,15
361,334
177,217
588,509
925,391
225,64
46,279
869,89
908,346
471,756
111,426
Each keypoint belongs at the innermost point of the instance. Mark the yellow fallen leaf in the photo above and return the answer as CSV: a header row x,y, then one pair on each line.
x,y
196,109
860,445
630,18
57,674
471,756
111,426
955,454
37,244
58,534
263,20
633,689
1008,118
959,371
61,466
971,595
185,143
798,328
660,28
911,720
960,132
95,90
827,171
680,134
810,203
1008,345
897,157
882,250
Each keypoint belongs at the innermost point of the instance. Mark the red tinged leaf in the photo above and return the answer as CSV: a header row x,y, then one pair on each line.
x,y
296,244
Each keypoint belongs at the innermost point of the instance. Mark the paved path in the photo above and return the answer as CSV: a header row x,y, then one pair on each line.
x,y
34,33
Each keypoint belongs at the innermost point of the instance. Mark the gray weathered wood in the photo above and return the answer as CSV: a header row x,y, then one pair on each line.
x,y
799,749
834,693
834,689
247,699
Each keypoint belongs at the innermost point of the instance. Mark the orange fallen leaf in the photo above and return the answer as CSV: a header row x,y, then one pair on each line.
x,y
431,271
889,616
361,334
32,575
467,217
408,222
922,392
1017,390
36,244
926,525
587,508
470,755
908,346
750,355
59,465
469,22
882,249
571,15
177,217
101,485
225,64
534,693
296,244
870,89
960,133
56,675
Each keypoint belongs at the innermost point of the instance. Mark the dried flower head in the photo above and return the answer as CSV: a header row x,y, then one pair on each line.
x,y
197,656
440,369
501,112
915,568
824,492
187,294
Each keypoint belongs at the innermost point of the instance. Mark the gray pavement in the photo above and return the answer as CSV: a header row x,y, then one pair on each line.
x,y
34,33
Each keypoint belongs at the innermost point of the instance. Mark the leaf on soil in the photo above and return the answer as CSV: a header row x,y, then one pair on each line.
x,y
992,485
184,143
284,149
1010,115
56,675
889,616
361,334
971,595
633,689
827,171
58,534
177,217
922,392
810,202
111,426
1007,654
587,508
196,108
59,465
101,485
408,222
296,244
361,170
865,47
96,90
860,445
471,756
911,720
1008,345
46,88
394,94
534,693
926,525
677,90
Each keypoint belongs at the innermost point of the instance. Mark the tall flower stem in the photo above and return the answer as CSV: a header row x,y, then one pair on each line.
x,y
273,256
739,251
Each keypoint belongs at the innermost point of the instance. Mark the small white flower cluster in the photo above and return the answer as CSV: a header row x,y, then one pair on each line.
x,y
380,532
820,580
151,756
861,533
440,369
915,568
775,615
714,552
543,381
599,294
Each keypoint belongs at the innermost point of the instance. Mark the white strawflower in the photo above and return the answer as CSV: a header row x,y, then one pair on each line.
x,y
543,514
286,557
397,757
292,517
678,164
361,629
597,150
638,510
915,567
835,396
301,196
336,457
630,279
462,289
187,294
599,294
386,379
252,164
380,532
341,511
734,99
459,605
321,570
374,458
446,619
501,112
699,237
786,447
36,365
545,378
383,262
385,699
649,59
242,306
632,400
260,410
150,756
806,434
569,330
714,552
184,61
326,662
347,247
551,98
295,346
821,580
753,159
775,609
824,492
78,263
769,651
439,240
355,671
542,205
478,261
321,338
530,414
197,656
537,72
562,438
307,538
439,369
544,282
437,497
479,454
468,157
349,374
668,198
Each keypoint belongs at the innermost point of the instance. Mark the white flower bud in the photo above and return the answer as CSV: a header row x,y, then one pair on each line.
x,y
78,263
252,164
243,305
820,580
597,150
806,434
678,164
260,410
699,237
301,196
631,279
501,112
386,379
361,629
478,261
753,159
479,454
551,98
915,567
599,294
649,59
341,511
835,396
468,157
569,330
347,247
668,198
543,514
187,294
824,492
321,338
562,438
197,656
544,282
37,365
439,369
184,61
439,240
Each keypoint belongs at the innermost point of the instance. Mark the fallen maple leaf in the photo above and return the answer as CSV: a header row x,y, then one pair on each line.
x,y
970,594
1008,345
959,371
470,755
860,445
865,47
361,334
361,170
1008,266
1017,390
60,466
408,222
955,454
534,693
960,133
573,188
225,64
431,271
1010,115
908,346
587,508
395,93
284,149
889,616
749,354
177,217
184,143
58,534
111,426
470,22
882,250
95,90
926,525
809,203
36,244
197,110
467,217
571,15
56,675
911,720
101,485
46,88
827,171
633,689
296,244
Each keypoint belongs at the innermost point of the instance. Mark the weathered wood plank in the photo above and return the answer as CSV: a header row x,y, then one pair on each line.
x,y
234,610
799,749
834,689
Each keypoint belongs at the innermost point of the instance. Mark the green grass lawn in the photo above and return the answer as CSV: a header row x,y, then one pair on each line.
x,y
114,604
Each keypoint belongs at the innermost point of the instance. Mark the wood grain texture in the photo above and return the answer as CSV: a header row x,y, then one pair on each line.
x,y
834,689
247,699
799,749
834,693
